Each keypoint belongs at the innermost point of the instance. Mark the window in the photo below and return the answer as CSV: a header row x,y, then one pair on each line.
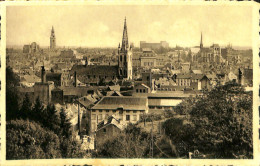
x,y
100,117
143,90
136,90
104,130
93,110
93,117
128,117
107,110
121,58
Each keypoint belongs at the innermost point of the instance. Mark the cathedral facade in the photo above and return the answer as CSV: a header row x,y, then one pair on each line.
x,y
210,54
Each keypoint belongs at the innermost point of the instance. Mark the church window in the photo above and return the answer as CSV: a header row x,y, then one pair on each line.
x,y
125,58
121,58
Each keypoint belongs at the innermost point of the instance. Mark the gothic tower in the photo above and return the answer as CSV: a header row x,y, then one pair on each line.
x,y
201,43
52,40
125,57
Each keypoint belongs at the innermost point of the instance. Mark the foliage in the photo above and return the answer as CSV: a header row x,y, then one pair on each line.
x,y
27,140
181,134
36,131
65,125
131,143
70,148
12,107
221,123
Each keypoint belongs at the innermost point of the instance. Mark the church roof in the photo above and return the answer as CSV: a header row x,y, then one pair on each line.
x,y
95,70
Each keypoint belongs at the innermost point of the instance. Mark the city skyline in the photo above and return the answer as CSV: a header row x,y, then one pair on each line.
x,y
99,26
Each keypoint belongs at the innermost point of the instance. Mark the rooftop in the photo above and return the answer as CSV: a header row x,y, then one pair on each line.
x,y
125,102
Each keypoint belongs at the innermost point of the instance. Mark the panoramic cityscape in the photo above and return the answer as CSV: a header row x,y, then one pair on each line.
x,y
150,99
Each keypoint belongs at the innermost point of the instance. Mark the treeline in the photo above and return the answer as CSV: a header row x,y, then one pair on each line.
x,y
36,131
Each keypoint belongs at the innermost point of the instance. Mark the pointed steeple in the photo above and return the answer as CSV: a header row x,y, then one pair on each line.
x,y
201,42
52,32
125,37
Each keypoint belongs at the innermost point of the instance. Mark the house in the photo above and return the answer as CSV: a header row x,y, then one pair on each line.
x,y
193,81
109,128
126,108
142,88
29,80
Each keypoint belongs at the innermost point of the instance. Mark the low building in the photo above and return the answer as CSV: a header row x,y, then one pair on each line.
x,y
142,88
108,129
193,81
126,108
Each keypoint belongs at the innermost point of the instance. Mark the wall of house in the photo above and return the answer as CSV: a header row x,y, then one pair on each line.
x,y
107,132
43,91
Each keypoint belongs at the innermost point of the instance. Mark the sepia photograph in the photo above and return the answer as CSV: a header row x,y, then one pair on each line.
x,y
129,81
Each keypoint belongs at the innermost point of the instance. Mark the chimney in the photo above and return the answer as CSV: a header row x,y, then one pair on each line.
x,y
75,78
43,74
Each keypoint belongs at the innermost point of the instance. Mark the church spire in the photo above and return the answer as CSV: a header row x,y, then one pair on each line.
x,y
201,43
52,39
52,32
125,37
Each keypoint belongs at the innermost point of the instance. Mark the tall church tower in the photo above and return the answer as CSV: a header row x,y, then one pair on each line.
x,y
201,43
125,57
52,40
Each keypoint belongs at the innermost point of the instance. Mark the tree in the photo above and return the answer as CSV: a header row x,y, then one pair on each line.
x,y
220,123
38,111
181,135
52,119
26,109
70,148
223,122
131,143
12,106
28,140
65,125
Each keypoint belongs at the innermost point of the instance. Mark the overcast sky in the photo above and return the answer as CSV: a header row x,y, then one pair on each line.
x,y
102,26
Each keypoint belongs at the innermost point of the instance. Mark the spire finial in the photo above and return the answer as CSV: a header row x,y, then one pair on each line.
x,y
125,37
201,42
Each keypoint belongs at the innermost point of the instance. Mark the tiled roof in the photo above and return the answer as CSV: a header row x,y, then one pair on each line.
x,y
125,102
111,120
31,78
190,76
95,70
75,91
87,100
